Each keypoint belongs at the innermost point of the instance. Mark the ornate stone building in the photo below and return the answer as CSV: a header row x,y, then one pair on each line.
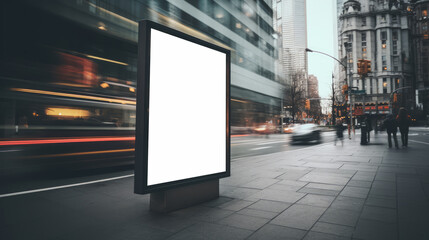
x,y
377,31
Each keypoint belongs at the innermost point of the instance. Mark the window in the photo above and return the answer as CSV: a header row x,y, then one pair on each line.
x,y
363,37
396,63
395,47
383,63
383,18
395,35
395,42
384,85
394,18
363,21
383,36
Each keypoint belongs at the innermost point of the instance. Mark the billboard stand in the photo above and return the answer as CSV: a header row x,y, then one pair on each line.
x,y
180,79
185,196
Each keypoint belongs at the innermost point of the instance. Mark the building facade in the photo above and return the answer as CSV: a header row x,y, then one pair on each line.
x,y
421,56
375,30
109,30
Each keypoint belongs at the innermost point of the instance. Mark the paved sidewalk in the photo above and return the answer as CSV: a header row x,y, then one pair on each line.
x,y
320,192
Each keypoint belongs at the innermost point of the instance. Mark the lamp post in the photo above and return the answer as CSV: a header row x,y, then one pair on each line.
x,y
345,70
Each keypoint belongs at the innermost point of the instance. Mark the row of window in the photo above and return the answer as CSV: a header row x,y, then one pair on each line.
x,y
133,10
381,19
241,58
388,85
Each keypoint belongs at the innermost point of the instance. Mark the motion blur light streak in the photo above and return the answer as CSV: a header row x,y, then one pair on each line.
x,y
81,153
106,60
236,100
67,140
67,112
73,95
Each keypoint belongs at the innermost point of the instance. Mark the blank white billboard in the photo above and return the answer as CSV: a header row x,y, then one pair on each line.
x,y
187,114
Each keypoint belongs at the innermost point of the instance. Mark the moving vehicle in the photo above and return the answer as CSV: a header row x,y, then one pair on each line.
x,y
265,128
289,128
306,133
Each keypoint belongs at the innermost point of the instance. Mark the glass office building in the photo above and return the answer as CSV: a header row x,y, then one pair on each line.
x,y
83,53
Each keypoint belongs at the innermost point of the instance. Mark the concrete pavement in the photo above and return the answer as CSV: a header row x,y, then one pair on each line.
x,y
320,192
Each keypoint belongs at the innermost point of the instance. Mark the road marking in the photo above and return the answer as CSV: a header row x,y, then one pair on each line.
x,y
259,148
418,142
64,186
266,143
12,150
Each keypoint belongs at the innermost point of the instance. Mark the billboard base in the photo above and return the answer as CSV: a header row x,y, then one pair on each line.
x,y
182,197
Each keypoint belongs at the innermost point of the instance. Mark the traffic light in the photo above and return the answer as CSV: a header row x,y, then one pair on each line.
x,y
360,66
345,89
307,104
395,97
367,66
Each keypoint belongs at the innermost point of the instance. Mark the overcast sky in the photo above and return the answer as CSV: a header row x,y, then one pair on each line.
x,y
320,37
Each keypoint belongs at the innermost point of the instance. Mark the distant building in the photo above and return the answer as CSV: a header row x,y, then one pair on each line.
x,y
421,56
378,32
291,23
313,86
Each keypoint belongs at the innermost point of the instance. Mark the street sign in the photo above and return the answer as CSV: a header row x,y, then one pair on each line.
x,y
358,92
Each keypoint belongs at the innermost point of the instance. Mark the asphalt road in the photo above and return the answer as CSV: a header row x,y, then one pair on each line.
x,y
241,147
253,145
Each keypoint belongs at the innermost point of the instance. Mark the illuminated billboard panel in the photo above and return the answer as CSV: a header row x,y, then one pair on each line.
x,y
182,133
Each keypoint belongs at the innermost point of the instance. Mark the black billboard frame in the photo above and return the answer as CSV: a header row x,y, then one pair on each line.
x,y
142,110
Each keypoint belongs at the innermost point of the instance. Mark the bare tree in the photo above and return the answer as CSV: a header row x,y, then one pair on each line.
x,y
336,98
315,110
295,94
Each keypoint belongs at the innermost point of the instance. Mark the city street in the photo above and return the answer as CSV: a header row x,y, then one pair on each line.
x,y
214,119
253,145
318,191
241,146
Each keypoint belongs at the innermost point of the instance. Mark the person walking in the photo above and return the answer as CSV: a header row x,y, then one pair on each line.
x,y
339,129
391,128
404,125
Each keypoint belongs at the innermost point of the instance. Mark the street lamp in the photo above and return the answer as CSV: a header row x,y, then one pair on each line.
x,y
350,84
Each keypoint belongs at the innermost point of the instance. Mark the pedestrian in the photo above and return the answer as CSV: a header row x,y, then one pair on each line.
x,y
392,128
369,127
339,129
404,124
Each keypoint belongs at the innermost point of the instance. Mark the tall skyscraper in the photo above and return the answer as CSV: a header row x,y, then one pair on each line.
x,y
291,23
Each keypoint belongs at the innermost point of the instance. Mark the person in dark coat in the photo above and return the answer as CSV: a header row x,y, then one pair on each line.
x,y
404,124
339,129
391,128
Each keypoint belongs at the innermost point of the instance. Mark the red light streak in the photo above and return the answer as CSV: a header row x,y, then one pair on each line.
x,y
65,140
